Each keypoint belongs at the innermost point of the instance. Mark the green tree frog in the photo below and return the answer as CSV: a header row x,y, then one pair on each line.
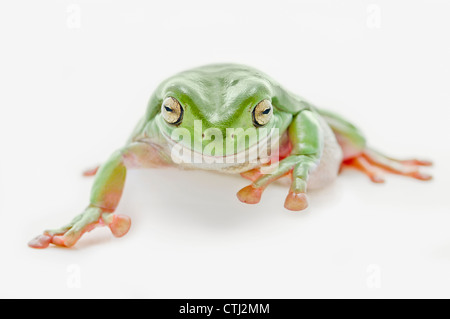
x,y
234,119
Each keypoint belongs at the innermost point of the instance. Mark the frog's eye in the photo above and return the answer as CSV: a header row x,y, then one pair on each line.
x,y
262,113
172,111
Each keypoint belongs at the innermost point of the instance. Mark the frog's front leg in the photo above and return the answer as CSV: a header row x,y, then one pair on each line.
x,y
105,196
306,137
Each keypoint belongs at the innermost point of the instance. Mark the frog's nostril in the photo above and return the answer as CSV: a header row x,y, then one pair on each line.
x,y
203,135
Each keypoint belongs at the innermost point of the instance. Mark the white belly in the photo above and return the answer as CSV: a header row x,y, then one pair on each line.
x,y
330,161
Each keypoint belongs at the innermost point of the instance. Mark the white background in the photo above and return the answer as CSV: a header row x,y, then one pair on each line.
x,y
76,76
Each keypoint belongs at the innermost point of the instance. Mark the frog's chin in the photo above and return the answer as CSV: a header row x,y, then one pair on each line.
x,y
254,156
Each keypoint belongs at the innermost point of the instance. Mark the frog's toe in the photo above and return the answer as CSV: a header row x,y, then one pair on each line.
x,y
296,201
415,162
421,176
91,171
61,241
40,242
250,194
120,225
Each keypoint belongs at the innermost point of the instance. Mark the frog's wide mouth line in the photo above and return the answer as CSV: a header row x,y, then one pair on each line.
x,y
231,159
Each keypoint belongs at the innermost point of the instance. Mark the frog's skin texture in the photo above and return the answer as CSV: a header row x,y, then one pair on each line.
x,y
313,144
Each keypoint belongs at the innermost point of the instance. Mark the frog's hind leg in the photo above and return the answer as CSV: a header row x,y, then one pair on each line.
x,y
358,156
373,163
409,167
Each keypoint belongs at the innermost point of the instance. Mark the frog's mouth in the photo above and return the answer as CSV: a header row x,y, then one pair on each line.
x,y
249,158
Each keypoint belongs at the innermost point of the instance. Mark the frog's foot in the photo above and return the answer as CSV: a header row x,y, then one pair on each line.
x,y
362,164
295,166
92,217
91,171
409,167
373,163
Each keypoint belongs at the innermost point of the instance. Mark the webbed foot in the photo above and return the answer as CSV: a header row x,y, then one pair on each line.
x,y
373,164
296,166
91,218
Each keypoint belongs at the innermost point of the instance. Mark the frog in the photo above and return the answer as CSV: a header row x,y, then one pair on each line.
x,y
197,110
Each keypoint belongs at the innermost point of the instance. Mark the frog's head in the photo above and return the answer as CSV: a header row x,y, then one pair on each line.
x,y
220,116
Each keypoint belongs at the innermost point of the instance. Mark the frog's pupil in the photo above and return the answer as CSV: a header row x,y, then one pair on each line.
x,y
168,109
266,111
